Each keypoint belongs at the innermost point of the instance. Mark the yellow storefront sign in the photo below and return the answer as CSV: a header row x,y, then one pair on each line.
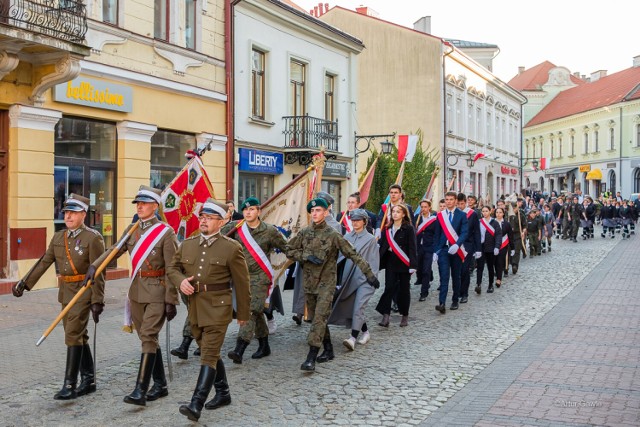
x,y
585,168
95,93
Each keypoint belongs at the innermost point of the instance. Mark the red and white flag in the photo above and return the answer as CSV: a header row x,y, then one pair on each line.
x,y
543,164
184,196
365,187
478,156
407,145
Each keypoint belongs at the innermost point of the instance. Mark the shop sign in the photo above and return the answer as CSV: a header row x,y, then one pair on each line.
x,y
335,169
260,161
585,168
95,93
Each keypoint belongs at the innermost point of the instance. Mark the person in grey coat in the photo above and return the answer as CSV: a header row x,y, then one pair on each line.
x,y
354,292
298,291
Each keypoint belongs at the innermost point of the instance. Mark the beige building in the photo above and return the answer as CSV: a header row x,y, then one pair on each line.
x,y
108,98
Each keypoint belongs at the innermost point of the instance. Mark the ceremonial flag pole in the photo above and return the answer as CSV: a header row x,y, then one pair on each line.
x,y
364,189
428,192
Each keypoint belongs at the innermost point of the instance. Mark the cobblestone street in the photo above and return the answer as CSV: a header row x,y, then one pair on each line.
x,y
425,373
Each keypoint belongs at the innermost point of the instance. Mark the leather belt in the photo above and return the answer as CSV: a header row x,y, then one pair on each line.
x,y
151,273
201,287
73,279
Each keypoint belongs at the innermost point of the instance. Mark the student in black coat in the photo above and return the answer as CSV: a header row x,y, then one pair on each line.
x,y
507,245
398,258
490,238
425,232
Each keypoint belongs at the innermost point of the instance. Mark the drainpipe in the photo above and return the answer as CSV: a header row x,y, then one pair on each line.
x,y
444,114
619,188
228,67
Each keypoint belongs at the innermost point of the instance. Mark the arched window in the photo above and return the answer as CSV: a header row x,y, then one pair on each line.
x,y
585,184
612,182
612,139
541,184
636,181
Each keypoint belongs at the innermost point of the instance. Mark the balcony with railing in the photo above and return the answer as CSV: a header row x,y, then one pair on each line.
x,y
310,133
61,19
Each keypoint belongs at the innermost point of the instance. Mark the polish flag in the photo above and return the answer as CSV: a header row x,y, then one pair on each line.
x,y
478,156
544,164
407,147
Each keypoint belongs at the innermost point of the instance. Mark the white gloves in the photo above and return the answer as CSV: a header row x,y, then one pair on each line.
x,y
412,270
477,255
512,253
377,234
496,251
435,257
453,249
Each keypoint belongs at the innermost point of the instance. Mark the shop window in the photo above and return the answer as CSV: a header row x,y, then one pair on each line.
x,y
85,139
254,185
167,155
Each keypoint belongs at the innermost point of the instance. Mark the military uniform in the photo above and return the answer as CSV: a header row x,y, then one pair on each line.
x,y
576,210
216,263
566,220
268,238
73,251
533,234
317,247
518,225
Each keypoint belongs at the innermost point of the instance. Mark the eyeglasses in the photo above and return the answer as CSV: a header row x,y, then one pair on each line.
x,y
208,218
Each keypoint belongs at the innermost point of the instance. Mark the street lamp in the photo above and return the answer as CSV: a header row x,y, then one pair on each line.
x,y
456,156
360,140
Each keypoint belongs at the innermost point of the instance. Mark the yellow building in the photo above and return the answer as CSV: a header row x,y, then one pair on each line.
x,y
108,98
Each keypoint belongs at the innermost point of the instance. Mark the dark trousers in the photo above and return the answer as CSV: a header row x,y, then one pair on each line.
x,y
395,283
427,271
465,279
488,259
419,269
500,262
449,266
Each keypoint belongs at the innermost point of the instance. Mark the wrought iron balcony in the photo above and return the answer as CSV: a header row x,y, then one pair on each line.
x,y
61,19
305,132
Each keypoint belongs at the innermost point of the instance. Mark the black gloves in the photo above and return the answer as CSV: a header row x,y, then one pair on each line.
x,y
96,311
90,275
373,281
170,311
314,260
18,289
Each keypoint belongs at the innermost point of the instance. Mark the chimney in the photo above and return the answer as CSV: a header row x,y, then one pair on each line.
x,y
636,61
597,75
423,25
363,10
315,11
577,74
520,70
320,9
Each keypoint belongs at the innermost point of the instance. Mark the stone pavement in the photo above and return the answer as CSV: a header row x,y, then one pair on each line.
x,y
403,377
577,366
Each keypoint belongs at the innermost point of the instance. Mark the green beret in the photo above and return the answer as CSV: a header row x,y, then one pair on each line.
x,y
250,201
318,201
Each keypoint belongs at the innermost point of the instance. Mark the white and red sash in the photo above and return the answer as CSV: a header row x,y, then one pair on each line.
x,y
396,249
346,221
450,233
505,241
258,255
468,211
425,223
488,227
145,245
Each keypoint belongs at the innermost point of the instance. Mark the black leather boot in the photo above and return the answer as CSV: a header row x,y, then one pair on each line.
x,y
490,288
263,348
236,354
139,395
310,363
87,379
327,353
203,387
68,391
159,388
182,352
223,396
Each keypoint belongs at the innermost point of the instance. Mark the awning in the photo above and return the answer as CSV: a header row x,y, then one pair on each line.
x,y
561,171
595,174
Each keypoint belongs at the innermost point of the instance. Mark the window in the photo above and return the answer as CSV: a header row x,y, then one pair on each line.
x,y
110,11
638,135
257,84
611,139
560,147
329,100
573,146
596,143
552,147
190,24
636,181
478,124
612,182
161,20
449,117
586,143
459,117
472,183
470,122
297,72
167,155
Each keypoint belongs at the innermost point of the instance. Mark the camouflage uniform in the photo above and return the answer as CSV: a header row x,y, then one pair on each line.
x,y
576,211
518,224
533,234
323,242
566,220
268,238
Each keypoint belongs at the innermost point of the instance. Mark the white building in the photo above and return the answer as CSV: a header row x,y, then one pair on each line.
x,y
294,92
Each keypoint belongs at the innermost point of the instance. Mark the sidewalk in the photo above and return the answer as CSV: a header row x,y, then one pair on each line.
x,y
577,366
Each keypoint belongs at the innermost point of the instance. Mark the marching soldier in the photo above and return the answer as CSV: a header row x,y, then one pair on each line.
x,y
258,239
534,232
518,221
152,297
577,211
206,266
73,250
316,247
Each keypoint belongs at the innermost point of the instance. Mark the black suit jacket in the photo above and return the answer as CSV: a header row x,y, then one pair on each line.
x,y
492,241
405,237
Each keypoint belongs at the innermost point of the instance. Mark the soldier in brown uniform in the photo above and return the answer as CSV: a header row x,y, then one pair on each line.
x,y
73,250
153,298
205,267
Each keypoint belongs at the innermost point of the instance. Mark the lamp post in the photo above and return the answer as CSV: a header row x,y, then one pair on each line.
x,y
359,142
468,157
523,162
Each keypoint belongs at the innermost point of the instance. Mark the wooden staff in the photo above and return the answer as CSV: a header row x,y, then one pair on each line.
x,y
453,179
431,182
366,177
82,290
524,244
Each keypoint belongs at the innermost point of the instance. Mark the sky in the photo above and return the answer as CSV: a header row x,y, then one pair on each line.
x,y
582,36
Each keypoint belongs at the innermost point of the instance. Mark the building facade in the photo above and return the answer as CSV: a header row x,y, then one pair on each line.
x,y
114,109
294,94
